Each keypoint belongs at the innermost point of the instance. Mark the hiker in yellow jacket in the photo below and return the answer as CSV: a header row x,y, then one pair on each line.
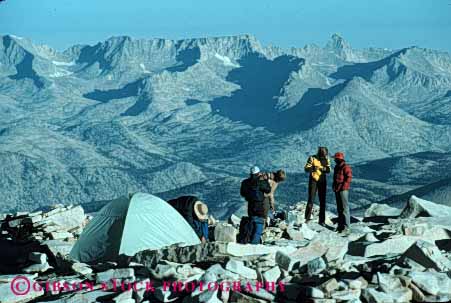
x,y
317,166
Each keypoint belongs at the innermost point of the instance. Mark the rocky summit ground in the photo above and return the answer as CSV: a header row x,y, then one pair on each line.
x,y
389,255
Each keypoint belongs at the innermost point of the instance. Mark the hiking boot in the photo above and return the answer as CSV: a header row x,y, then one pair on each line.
x,y
344,231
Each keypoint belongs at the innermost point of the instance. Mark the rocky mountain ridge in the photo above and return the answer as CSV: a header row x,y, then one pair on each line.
x,y
125,115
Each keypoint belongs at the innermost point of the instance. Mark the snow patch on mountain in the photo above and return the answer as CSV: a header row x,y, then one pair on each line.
x,y
143,67
60,73
61,63
226,61
16,37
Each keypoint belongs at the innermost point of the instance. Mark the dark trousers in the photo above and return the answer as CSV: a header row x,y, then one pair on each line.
x,y
313,188
344,216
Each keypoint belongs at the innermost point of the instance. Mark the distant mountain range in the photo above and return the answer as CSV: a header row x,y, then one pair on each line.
x,y
189,117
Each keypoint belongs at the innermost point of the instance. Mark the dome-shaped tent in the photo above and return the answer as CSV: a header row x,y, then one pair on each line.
x,y
129,225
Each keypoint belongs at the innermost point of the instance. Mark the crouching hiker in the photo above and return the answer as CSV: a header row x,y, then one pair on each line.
x,y
195,213
341,186
274,179
253,189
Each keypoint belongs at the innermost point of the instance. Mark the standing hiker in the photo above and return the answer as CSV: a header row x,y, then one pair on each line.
x,y
341,186
253,189
317,166
195,213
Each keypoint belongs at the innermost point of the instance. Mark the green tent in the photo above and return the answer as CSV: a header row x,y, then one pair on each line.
x,y
131,224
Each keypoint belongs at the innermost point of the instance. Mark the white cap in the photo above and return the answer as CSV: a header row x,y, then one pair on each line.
x,y
255,170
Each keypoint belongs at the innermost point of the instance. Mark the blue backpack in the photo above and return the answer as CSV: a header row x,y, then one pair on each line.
x,y
245,231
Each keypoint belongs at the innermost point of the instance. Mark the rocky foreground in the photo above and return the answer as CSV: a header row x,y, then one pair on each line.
x,y
390,255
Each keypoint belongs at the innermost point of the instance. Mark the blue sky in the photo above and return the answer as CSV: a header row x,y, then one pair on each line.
x,y
380,23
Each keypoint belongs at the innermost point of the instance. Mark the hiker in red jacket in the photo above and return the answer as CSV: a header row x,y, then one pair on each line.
x,y
341,186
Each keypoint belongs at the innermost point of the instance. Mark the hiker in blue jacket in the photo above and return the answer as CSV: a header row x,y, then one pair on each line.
x,y
253,189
